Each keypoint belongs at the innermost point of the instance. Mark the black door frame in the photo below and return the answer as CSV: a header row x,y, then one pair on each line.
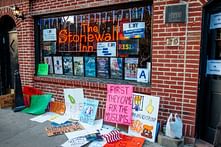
x,y
7,23
210,7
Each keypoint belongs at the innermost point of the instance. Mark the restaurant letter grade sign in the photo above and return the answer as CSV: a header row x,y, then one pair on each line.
x,y
119,104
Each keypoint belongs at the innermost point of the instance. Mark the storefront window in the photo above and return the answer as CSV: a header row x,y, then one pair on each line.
x,y
111,44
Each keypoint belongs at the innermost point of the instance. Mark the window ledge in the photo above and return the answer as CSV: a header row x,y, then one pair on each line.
x,y
91,82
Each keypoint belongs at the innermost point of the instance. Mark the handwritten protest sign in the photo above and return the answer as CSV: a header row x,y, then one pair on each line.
x,y
145,114
119,104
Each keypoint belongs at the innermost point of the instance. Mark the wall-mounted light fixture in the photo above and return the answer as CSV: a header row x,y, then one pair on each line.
x,y
17,13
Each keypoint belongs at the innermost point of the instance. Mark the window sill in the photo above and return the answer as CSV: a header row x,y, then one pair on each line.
x,y
90,82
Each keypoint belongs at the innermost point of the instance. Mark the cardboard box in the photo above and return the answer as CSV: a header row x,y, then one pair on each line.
x,y
7,100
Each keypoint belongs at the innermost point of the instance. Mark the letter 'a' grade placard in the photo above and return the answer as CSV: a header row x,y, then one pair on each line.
x,y
119,104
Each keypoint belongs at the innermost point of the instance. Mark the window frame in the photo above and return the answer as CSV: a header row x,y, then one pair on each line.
x,y
87,11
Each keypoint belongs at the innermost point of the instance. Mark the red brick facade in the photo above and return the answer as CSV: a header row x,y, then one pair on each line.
x,y
174,68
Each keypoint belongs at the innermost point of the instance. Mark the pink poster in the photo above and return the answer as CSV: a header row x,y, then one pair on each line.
x,y
119,104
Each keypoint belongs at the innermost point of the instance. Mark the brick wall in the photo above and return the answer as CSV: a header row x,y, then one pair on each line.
x,y
174,68
91,89
54,6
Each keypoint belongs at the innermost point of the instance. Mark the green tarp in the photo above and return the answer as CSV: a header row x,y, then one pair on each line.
x,y
39,104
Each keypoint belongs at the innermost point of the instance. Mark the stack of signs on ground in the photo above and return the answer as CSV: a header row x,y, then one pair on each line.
x,y
145,113
119,104
89,111
74,99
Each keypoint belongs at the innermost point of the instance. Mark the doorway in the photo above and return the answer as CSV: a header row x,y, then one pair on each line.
x,y
209,102
8,53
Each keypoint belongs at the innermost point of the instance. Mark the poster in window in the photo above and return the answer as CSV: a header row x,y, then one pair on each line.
x,y
130,68
58,68
134,30
215,21
90,66
128,47
103,67
116,65
78,66
48,60
124,18
49,34
68,65
89,111
142,75
49,48
107,49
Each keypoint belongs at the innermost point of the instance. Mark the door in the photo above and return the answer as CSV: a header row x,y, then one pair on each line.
x,y
8,53
210,86
13,55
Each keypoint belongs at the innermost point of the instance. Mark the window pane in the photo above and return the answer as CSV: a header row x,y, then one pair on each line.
x,y
108,36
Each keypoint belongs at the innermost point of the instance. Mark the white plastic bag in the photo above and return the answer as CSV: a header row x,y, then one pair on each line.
x,y
178,126
169,126
174,127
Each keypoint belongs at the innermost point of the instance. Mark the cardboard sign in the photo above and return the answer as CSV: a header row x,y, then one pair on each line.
x,y
107,49
142,75
215,21
89,111
145,113
57,107
213,67
134,30
74,99
42,70
49,35
127,141
119,104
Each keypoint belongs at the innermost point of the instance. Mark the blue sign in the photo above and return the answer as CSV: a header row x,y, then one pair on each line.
x,y
134,30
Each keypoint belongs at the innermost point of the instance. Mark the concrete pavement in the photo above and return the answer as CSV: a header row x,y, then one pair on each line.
x,y
17,130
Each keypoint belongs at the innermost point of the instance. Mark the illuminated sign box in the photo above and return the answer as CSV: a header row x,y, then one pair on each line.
x,y
176,13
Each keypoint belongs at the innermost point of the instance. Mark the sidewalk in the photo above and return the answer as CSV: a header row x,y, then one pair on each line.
x,y
17,130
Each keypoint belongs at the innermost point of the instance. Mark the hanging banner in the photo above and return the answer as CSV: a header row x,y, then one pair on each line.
x,y
213,67
49,35
215,21
119,104
134,30
144,119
